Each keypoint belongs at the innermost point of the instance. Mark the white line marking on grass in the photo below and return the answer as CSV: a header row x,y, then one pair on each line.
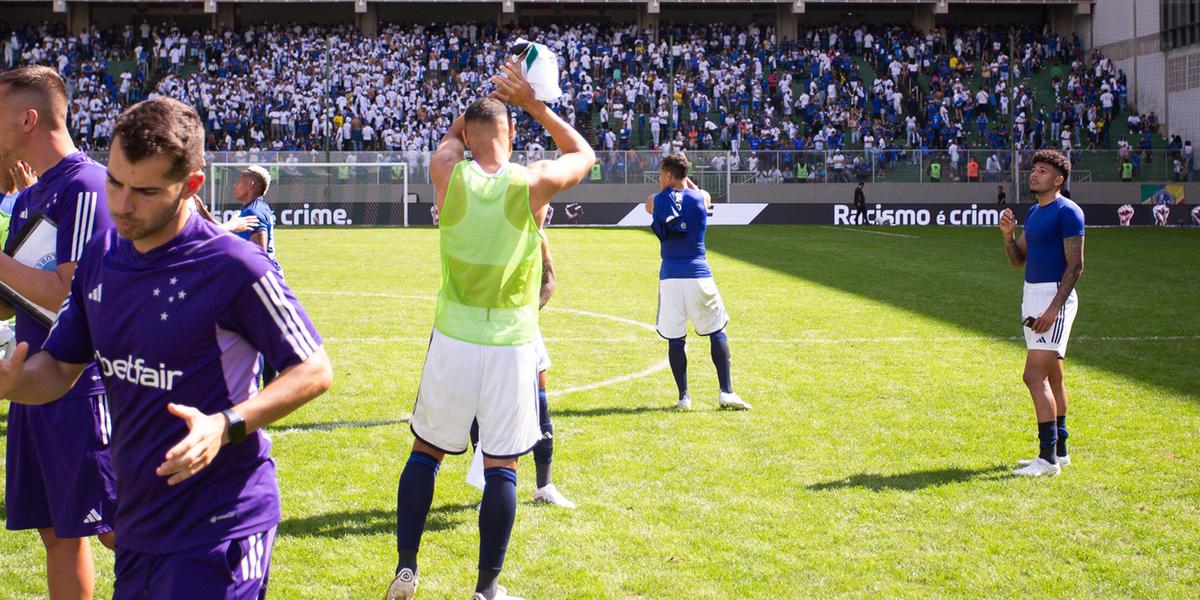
x,y
760,340
899,235
654,368
338,425
572,311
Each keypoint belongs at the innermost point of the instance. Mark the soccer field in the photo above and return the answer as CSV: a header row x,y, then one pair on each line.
x,y
884,370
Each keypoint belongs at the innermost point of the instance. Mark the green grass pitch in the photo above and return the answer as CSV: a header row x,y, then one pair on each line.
x,y
888,410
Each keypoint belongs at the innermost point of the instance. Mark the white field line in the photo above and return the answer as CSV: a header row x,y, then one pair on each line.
x,y
899,235
798,341
654,368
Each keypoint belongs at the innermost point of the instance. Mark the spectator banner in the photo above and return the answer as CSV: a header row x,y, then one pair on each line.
x,y
1171,193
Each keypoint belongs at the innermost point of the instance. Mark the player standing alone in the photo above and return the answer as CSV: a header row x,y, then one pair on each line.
x,y
686,289
1051,250
481,362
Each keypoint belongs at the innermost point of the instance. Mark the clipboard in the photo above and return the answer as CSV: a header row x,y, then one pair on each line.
x,y
36,247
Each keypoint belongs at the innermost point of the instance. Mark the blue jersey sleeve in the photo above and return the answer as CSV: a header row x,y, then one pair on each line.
x,y
80,212
668,215
257,211
70,340
1070,221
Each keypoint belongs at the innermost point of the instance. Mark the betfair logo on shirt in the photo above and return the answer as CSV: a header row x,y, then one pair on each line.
x,y
136,372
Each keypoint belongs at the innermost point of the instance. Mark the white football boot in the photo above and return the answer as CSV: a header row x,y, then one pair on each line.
x,y
403,587
551,495
1038,468
732,401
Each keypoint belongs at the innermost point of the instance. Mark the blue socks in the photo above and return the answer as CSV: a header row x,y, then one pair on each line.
x,y
678,359
1062,435
1048,440
720,358
414,495
677,356
496,515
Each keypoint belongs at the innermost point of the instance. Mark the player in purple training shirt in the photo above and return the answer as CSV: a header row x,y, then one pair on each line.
x,y
59,477
176,312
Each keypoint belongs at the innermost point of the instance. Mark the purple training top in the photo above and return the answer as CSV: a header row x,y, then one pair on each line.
x,y
72,194
183,323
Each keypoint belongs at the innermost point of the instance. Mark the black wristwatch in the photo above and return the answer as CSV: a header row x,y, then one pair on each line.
x,y
235,426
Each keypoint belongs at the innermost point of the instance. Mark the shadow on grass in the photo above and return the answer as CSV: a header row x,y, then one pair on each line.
x,y
606,411
909,482
373,522
960,276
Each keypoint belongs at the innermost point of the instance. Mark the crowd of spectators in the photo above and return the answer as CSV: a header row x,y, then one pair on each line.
x,y
842,102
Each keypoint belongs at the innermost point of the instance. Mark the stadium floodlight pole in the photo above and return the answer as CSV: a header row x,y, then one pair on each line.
x,y
325,64
1012,119
671,74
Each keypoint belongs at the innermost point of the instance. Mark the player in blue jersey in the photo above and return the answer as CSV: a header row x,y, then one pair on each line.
x,y
686,290
1051,250
251,190
176,313
59,476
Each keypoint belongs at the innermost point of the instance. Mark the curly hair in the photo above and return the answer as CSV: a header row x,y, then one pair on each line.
x,y
1055,159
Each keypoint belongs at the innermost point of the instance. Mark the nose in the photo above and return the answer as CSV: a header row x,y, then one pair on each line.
x,y
118,202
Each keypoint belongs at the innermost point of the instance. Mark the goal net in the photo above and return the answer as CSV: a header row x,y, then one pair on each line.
x,y
319,194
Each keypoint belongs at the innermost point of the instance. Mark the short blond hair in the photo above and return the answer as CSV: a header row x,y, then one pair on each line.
x,y
260,176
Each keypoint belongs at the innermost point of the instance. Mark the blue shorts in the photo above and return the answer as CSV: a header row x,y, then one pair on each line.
x,y
59,473
228,570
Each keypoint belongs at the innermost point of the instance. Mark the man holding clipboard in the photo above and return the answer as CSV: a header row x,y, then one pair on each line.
x,y
59,477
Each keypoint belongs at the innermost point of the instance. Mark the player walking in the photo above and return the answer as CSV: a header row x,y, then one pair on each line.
x,y
175,313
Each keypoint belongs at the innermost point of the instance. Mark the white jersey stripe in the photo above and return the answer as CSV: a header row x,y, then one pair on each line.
x,y
75,233
84,213
273,281
90,217
289,315
62,307
273,311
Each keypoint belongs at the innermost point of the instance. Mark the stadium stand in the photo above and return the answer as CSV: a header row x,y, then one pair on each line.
x,y
840,103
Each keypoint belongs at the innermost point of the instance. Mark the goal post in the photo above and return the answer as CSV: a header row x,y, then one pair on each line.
x,y
319,194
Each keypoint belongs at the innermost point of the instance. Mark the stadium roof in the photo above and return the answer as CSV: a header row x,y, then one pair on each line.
x,y
809,2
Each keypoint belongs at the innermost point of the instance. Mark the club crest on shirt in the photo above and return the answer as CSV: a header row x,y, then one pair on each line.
x,y
47,262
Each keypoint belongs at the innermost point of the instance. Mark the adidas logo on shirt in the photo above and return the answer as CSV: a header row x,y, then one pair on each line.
x,y
93,516
95,295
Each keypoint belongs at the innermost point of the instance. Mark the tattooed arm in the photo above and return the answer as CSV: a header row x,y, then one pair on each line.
x,y
1014,248
1073,248
549,281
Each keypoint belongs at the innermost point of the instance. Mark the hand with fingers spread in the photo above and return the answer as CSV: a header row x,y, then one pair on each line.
x,y
12,369
23,175
511,86
206,435
240,224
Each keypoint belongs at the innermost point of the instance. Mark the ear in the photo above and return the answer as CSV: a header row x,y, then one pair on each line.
x,y
193,183
30,120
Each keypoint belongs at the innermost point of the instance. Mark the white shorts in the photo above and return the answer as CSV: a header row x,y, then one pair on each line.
x,y
1037,297
695,300
543,357
462,382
